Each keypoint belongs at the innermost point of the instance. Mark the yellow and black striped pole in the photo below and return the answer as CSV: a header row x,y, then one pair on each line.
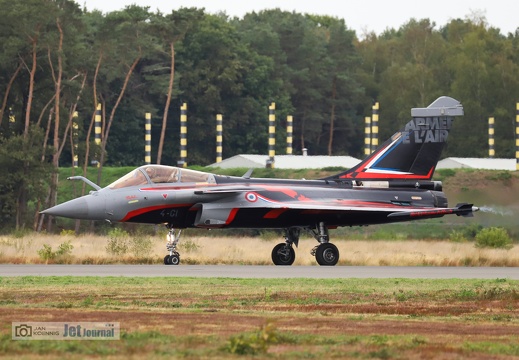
x,y
517,137
367,135
12,120
98,125
183,136
491,150
98,129
290,134
374,128
272,134
147,139
75,140
219,137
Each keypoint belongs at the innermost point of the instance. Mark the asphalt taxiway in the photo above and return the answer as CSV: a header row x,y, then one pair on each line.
x,y
270,272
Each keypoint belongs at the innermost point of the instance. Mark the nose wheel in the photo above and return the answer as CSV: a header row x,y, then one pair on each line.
x,y
173,258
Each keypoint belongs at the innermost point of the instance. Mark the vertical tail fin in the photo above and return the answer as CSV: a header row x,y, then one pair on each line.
x,y
413,152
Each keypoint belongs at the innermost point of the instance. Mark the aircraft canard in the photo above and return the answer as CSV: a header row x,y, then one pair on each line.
x,y
392,184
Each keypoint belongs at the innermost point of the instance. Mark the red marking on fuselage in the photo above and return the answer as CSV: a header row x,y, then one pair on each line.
x,y
274,214
231,216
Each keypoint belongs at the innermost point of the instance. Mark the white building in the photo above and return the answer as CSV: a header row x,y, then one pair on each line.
x,y
477,163
288,161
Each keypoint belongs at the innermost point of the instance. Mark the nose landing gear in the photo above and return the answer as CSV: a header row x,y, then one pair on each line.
x,y
173,258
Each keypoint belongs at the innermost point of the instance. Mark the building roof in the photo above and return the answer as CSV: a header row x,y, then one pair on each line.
x,y
287,161
477,163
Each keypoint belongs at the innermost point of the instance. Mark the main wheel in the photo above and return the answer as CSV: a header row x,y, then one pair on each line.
x,y
327,254
166,260
283,254
174,259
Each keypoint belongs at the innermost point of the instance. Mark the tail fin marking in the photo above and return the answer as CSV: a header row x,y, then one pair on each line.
x,y
413,152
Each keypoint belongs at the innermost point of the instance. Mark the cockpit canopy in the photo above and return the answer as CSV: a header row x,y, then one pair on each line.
x,y
160,174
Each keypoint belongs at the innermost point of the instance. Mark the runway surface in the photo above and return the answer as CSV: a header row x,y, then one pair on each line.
x,y
271,272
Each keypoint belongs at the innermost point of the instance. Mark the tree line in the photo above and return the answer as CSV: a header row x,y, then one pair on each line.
x,y
59,59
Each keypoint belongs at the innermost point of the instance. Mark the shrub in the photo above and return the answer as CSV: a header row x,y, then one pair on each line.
x,y
140,246
493,237
255,343
472,230
64,252
46,253
64,249
117,242
457,236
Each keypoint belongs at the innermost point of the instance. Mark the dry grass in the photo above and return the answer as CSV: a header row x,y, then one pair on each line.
x,y
92,249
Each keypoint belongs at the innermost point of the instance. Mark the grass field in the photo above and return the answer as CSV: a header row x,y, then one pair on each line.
x,y
268,319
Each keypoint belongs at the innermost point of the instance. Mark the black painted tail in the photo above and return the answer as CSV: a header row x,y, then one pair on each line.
x,y
413,152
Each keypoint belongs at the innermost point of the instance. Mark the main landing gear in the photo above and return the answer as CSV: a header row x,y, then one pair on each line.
x,y
283,253
325,253
173,258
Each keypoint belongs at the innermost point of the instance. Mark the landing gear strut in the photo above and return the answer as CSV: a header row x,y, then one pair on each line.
x,y
173,258
325,253
283,253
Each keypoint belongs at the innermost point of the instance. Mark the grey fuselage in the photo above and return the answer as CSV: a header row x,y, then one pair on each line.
x,y
234,202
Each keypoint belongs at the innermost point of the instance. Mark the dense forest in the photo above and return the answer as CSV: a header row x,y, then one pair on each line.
x,y
59,59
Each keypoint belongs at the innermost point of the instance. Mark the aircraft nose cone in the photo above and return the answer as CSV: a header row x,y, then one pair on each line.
x,y
74,209
87,207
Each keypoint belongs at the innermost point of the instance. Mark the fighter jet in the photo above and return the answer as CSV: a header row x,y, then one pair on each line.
x,y
393,184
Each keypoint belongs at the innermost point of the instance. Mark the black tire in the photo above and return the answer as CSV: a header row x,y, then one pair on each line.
x,y
166,260
174,259
327,254
283,254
